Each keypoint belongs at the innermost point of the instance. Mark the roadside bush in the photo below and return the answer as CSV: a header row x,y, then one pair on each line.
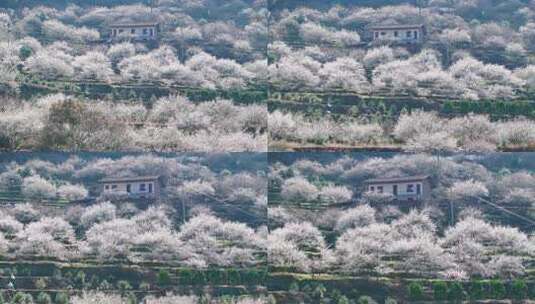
x,y
416,291
44,298
344,300
477,290
456,292
390,300
22,298
366,300
61,298
519,289
164,278
440,290
497,289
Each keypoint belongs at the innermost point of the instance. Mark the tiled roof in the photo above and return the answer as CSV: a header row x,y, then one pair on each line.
x,y
396,26
129,179
134,24
397,179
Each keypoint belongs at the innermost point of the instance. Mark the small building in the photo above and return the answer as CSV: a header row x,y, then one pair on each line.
x,y
405,34
411,188
135,187
135,31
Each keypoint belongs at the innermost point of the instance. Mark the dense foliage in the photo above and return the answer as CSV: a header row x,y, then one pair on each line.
x,y
171,124
383,239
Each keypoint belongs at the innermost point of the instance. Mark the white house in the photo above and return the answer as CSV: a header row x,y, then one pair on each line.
x,y
411,188
136,187
136,31
407,34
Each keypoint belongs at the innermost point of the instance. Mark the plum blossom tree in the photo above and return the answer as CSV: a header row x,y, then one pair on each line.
x,y
9,226
25,213
344,73
117,52
203,236
474,132
48,237
72,192
401,75
455,37
38,188
378,56
360,216
298,245
98,297
468,190
93,66
56,30
299,189
335,194
100,213
50,65
294,73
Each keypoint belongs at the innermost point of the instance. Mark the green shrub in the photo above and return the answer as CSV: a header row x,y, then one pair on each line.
x,y
144,286
477,290
131,298
79,279
497,289
41,283
519,289
215,276
335,294
104,285
61,298
22,298
233,277
440,290
44,298
123,286
416,291
456,292
390,300
343,300
319,292
25,52
164,278
366,300
294,287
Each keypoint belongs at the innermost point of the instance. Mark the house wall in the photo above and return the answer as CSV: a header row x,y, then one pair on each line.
x,y
390,35
139,32
402,189
135,188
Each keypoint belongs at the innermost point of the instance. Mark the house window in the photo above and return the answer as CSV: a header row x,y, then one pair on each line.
x,y
107,187
415,34
383,33
114,32
121,31
113,187
409,34
145,31
376,34
128,188
396,33
395,189
410,188
133,31
142,187
150,188
151,32
372,188
380,189
418,189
